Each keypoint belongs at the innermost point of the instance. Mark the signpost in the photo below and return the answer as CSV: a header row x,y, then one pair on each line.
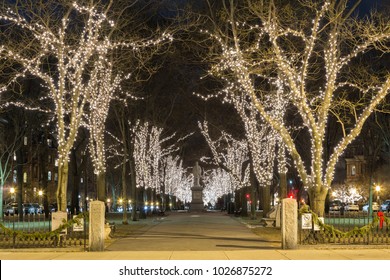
x,y
80,225
307,221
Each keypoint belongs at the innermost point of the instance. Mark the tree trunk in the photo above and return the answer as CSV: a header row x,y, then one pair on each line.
x,y
133,191
101,186
244,201
283,186
317,200
266,199
62,188
253,193
124,191
75,206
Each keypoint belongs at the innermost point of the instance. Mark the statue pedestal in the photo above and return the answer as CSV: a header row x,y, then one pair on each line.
x,y
197,199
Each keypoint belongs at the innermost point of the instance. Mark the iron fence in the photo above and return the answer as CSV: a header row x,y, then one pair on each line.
x,y
35,231
347,228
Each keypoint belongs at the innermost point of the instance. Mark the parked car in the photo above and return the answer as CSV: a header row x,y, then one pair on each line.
x,y
32,208
336,206
38,208
11,209
375,207
352,207
386,205
28,208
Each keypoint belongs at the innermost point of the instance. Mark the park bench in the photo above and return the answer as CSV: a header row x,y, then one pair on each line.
x,y
270,218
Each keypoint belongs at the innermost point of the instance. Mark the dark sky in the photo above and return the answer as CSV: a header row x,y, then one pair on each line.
x,y
366,5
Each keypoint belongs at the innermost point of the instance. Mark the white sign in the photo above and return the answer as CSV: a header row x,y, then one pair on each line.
x,y
307,221
316,226
78,226
57,219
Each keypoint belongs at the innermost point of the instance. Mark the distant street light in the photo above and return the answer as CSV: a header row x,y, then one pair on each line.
x,y
12,191
40,194
377,188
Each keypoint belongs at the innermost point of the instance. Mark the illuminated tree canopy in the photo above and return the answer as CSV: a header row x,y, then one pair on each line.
x,y
316,52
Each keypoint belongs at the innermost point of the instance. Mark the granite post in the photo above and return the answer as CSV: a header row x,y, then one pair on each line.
x,y
289,223
96,226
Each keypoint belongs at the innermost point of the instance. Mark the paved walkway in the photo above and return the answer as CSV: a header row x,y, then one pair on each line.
x,y
199,236
194,232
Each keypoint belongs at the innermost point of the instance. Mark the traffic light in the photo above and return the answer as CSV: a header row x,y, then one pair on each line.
x,y
247,196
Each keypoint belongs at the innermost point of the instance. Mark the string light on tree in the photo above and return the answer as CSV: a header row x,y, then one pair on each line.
x,y
313,60
74,58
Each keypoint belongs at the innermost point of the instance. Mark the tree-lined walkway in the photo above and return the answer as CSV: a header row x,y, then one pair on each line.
x,y
194,232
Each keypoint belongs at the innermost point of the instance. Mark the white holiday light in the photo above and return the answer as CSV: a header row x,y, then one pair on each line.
x,y
217,183
78,58
311,62
229,154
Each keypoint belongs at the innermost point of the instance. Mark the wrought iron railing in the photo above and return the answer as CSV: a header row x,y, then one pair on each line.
x,y
345,228
35,231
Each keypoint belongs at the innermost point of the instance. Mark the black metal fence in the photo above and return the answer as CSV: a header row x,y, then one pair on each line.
x,y
345,228
35,231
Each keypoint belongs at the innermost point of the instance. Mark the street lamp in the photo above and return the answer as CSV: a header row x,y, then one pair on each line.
x,y
108,204
40,194
377,188
12,191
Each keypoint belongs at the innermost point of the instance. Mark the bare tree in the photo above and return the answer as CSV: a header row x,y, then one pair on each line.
x,y
228,154
316,50
64,44
61,56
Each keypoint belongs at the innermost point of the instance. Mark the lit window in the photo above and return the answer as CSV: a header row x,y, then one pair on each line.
x,y
81,180
56,177
49,176
14,156
25,140
49,142
56,162
15,177
353,170
25,177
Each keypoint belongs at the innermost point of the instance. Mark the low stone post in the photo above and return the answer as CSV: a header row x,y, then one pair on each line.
x,y
289,223
96,226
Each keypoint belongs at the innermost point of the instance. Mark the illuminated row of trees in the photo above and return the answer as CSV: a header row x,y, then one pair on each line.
x,y
275,59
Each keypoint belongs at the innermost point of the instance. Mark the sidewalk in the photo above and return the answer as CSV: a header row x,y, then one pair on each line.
x,y
271,254
200,237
